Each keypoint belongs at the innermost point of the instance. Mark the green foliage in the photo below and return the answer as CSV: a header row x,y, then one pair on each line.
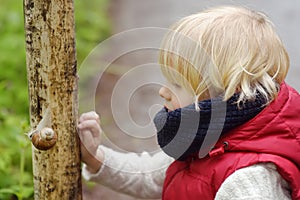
x,y
15,163
92,26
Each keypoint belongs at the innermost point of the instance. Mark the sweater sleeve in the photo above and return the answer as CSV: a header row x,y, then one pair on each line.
x,y
257,182
140,175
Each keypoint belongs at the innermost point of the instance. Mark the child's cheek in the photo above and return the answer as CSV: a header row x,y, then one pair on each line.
x,y
175,104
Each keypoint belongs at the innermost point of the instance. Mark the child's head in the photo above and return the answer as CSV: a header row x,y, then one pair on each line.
x,y
225,50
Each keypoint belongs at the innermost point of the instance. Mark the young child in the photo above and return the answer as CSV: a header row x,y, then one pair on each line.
x,y
230,126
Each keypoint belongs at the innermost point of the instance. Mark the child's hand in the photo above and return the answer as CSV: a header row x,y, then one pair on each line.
x,y
90,136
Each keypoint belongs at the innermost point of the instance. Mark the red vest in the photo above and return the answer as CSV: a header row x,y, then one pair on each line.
x,y
272,136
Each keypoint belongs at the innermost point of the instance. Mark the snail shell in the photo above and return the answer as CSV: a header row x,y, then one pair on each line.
x,y
44,139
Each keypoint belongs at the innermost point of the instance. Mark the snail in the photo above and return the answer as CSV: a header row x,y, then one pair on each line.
x,y
43,137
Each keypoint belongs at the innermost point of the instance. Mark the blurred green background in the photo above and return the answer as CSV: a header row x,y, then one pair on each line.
x,y
15,160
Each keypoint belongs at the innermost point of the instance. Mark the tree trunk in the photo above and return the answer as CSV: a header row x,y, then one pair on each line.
x,y
52,80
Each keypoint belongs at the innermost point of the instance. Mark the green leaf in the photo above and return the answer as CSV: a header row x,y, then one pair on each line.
x,y
7,191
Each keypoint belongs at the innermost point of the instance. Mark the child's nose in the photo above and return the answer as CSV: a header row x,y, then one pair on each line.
x,y
165,93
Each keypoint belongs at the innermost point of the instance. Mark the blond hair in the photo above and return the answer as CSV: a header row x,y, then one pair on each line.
x,y
225,50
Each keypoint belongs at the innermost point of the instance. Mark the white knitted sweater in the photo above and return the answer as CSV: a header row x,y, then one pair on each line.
x,y
142,176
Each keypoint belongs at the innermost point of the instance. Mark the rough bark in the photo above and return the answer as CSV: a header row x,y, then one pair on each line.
x,y
52,80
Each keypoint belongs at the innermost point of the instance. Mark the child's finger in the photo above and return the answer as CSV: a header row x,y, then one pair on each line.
x,y
91,125
88,142
86,137
89,116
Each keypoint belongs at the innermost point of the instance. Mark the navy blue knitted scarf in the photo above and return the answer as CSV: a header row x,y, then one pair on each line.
x,y
186,131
